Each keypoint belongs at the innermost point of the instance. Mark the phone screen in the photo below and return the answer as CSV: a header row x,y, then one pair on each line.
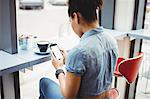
x,y
56,51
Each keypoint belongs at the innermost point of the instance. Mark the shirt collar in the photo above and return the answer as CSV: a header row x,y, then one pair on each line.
x,y
92,32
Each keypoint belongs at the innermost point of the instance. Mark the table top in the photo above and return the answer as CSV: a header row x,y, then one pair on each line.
x,y
139,34
116,34
8,63
30,57
25,58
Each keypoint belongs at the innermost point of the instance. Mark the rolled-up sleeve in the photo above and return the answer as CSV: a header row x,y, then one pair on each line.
x,y
76,62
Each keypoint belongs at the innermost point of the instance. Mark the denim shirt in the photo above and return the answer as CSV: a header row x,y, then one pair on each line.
x,y
94,59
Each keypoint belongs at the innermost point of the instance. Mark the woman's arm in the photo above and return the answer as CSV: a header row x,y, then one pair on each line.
x,y
69,85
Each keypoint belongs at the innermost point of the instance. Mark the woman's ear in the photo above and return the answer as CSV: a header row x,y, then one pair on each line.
x,y
76,18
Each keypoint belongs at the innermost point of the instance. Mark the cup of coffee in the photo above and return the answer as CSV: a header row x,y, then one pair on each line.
x,y
43,45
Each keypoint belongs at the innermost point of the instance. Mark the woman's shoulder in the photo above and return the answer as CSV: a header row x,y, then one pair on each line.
x,y
77,50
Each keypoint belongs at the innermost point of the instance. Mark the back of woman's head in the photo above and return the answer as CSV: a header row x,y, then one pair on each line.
x,y
87,8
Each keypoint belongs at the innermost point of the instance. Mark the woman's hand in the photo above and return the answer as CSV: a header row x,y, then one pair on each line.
x,y
59,63
64,53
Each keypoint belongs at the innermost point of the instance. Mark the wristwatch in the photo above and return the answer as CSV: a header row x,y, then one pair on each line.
x,y
58,71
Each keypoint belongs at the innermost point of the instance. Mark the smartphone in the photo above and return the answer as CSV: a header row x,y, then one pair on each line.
x,y
56,51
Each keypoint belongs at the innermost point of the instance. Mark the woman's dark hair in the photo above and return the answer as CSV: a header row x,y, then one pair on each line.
x,y
87,8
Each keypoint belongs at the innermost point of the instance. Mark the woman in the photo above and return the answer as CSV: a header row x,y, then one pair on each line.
x,y
90,65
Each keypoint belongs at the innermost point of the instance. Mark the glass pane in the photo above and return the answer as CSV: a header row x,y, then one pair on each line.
x,y
47,20
143,87
41,20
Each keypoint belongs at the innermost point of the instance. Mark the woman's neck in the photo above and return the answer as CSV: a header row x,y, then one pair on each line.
x,y
90,26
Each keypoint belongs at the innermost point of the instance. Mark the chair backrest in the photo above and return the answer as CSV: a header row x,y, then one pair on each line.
x,y
116,72
129,68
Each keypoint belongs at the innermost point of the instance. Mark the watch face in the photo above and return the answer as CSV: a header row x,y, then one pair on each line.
x,y
58,71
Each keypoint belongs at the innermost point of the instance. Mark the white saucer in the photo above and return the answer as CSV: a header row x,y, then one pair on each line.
x,y
36,51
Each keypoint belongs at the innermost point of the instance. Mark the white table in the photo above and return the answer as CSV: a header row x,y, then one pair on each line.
x,y
9,70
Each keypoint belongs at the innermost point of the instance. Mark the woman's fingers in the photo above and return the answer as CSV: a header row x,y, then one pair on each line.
x,y
64,53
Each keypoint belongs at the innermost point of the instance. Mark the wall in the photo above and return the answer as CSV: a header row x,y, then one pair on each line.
x,y
107,14
124,15
8,26
0,27
5,14
141,18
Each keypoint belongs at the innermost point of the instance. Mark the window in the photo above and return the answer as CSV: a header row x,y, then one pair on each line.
x,y
49,23
143,87
46,23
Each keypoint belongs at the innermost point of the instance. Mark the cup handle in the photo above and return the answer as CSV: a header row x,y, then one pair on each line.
x,y
49,45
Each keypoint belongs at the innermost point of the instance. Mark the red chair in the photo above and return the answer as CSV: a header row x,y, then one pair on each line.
x,y
116,72
129,68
